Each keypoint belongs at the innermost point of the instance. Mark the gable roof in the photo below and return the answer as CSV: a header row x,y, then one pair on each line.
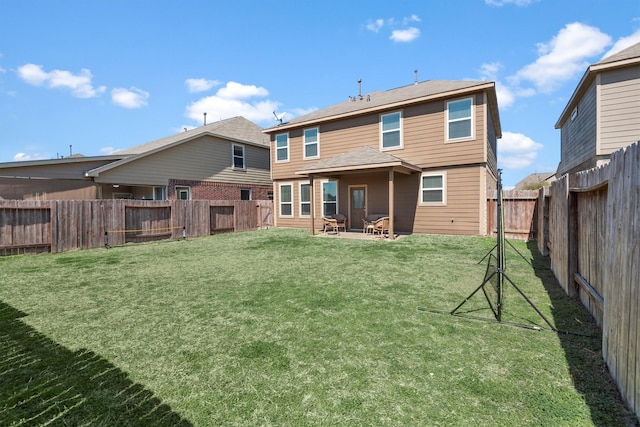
x,y
236,129
535,178
358,159
405,95
625,58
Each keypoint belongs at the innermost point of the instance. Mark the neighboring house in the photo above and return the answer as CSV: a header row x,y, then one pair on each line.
x,y
603,114
424,155
225,160
535,181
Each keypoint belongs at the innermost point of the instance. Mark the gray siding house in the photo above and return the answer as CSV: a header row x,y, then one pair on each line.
x,y
603,114
225,160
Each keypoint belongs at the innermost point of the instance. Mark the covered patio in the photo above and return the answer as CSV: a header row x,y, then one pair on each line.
x,y
366,162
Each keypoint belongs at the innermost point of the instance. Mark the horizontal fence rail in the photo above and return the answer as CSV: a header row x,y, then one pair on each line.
x,y
28,227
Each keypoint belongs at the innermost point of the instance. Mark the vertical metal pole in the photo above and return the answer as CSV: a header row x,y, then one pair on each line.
x,y
500,246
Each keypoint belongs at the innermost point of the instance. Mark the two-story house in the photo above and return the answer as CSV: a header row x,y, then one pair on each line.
x,y
224,160
603,114
424,155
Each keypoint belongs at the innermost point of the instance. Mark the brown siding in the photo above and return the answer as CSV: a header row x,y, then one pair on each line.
x,y
619,109
461,215
424,136
578,137
205,159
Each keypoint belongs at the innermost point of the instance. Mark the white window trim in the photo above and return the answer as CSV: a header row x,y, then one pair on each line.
x,y
304,143
280,185
300,184
382,148
164,192
288,148
447,121
233,157
183,187
322,195
444,188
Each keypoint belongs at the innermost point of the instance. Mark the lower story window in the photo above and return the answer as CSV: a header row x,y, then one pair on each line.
x,y
159,193
245,194
286,200
433,189
329,198
305,199
183,193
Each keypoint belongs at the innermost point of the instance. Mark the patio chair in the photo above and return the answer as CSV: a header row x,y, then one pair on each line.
x,y
381,226
330,224
341,221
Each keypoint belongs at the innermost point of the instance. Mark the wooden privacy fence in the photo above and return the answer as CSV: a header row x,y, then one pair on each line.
x,y
519,214
60,226
594,242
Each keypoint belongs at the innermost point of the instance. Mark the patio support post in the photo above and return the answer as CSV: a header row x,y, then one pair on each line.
x,y
312,197
391,203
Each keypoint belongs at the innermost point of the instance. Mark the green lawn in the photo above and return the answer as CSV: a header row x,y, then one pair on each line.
x,y
275,327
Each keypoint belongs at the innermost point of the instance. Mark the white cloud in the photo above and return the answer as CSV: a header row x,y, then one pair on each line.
x,y
375,25
234,90
516,150
405,36
503,2
234,100
129,98
109,150
200,85
623,43
412,18
564,57
79,84
23,157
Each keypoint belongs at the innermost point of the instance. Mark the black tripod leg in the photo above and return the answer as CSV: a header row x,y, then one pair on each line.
x,y
553,328
473,293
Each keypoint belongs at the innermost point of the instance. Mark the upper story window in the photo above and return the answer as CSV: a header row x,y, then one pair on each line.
x,y
433,189
238,156
311,143
391,130
459,119
282,147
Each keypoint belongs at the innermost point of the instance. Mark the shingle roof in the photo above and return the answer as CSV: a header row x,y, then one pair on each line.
x,y
628,53
360,158
377,99
236,128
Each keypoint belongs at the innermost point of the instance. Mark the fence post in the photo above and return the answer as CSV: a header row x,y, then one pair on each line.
x,y
572,239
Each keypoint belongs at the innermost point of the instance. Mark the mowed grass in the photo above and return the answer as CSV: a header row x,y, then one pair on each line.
x,y
275,327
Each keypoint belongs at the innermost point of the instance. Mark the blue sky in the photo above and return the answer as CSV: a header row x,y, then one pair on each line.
x,y
102,75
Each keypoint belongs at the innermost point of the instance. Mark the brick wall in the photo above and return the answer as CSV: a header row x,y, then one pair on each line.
x,y
205,190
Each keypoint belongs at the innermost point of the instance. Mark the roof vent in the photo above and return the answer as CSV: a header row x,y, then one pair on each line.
x,y
360,89
415,76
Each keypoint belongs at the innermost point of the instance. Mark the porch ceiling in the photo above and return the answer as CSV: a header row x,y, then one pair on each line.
x,y
363,159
